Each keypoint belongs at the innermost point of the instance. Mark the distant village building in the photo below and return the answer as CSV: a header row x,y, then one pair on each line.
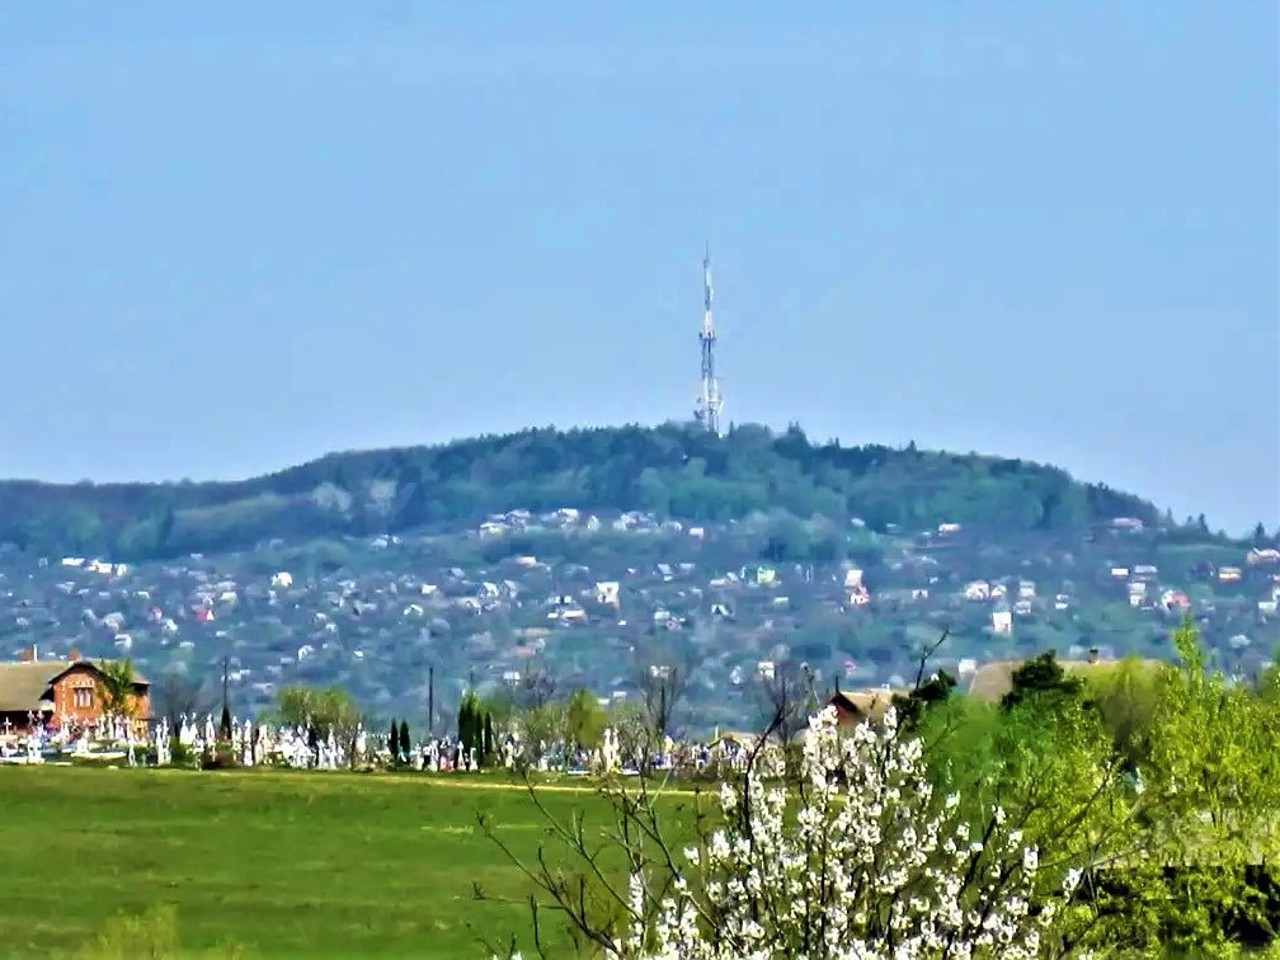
x,y
859,597
1128,524
1137,593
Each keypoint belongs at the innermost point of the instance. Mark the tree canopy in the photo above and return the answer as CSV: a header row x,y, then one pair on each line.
x,y
322,711
670,470
116,679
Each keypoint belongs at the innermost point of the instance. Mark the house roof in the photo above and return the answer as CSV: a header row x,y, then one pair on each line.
x,y
742,739
991,681
23,685
863,703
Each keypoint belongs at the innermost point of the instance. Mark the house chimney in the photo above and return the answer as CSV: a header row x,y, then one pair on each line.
x,y
1093,654
75,655
29,655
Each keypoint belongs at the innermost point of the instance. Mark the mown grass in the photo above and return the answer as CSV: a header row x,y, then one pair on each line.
x,y
277,864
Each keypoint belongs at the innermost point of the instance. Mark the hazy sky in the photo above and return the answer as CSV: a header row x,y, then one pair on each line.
x,y
236,237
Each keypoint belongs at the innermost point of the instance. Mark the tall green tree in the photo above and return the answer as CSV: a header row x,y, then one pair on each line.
x,y
116,681
464,721
585,720
471,724
543,725
319,711
1042,677
926,694
1126,699
1213,776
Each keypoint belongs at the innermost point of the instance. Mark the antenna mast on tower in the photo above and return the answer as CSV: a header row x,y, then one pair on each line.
x,y
710,400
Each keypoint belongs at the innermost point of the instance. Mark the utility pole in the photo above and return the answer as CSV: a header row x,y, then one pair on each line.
x,y
225,721
431,701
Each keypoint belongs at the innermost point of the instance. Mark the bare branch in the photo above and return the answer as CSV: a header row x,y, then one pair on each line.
x,y
927,654
788,698
661,677
537,686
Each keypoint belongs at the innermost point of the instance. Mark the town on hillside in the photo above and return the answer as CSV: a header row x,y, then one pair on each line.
x,y
593,599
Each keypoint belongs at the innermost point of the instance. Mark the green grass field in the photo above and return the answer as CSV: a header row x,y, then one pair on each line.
x,y
279,864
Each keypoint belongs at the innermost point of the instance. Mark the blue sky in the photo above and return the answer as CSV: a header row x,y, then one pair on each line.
x,y
236,237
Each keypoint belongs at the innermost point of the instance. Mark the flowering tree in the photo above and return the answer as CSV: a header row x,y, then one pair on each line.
x,y
858,861
1133,819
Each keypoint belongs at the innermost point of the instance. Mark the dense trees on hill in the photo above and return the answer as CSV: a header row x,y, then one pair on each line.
x,y
671,470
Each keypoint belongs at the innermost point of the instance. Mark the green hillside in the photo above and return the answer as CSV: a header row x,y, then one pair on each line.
x,y
671,470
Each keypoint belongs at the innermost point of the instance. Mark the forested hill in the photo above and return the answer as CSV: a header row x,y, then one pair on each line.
x,y
671,470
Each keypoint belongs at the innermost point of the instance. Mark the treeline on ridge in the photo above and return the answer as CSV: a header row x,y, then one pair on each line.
x,y
674,470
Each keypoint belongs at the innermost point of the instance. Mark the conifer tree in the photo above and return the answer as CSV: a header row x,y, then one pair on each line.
x,y
472,719
406,744
393,742
466,722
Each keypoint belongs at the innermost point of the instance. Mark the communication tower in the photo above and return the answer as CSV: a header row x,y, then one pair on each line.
x,y
710,400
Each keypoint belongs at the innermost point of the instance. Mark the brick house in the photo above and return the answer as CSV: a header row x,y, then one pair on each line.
x,y
60,693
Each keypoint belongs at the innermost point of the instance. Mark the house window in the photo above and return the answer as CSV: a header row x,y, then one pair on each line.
x,y
82,697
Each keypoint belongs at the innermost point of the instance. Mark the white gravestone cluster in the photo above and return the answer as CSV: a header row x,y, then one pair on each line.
x,y
301,747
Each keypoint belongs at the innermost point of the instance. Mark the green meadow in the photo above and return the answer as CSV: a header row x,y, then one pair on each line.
x,y
266,864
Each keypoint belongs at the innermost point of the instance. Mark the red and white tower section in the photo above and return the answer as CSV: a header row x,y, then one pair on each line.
x,y
710,399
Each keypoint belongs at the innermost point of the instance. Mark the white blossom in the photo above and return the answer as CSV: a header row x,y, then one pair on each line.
x,y
867,867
